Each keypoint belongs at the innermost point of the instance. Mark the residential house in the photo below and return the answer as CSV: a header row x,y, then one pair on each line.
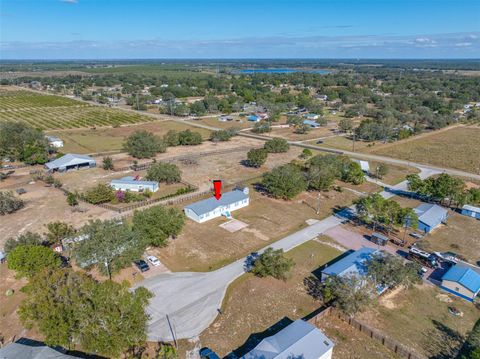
x,y
471,211
321,97
462,280
311,116
225,118
54,141
262,115
133,184
354,263
32,349
312,124
211,208
430,216
70,161
300,339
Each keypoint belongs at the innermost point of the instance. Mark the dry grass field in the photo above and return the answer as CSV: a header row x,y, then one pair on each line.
x,y
237,122
456,147
288,133
419,318
111,139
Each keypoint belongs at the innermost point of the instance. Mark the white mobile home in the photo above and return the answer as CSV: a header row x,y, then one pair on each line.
x,y
129,183
54,141
210,208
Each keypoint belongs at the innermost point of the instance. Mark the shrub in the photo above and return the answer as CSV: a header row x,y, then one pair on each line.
x,y
189,138
256,157
262,127
27,238
277,145
9,203
273,263
164,172
223,135
72,199
28,260
107,163
101,193
306,153
284,182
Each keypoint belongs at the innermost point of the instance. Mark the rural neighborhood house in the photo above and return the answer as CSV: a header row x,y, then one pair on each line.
x,y
210,208
298,340
130,183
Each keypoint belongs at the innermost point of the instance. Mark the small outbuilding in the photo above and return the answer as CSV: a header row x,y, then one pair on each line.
x,y
131,183
311,116
54,141
311,123
211,208
430,216
471,211
300,339
69,162
462,280
364,165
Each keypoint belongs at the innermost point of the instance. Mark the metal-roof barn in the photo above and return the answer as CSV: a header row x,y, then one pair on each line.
x,y
70,161
210,208
430,216
462,280
471,211
31,349
298,340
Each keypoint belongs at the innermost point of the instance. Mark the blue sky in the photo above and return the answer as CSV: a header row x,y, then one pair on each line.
x,y
97,29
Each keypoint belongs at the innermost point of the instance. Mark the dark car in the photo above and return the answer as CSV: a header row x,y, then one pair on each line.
x,y
207,353
141,265
319,141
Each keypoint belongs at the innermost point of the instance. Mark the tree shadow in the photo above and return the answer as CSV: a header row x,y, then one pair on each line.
x,y
255,338
443,342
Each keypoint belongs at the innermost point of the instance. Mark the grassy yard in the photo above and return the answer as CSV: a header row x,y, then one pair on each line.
x,y
254,304
288,133
419,318
238,122
206,246
396,174
453,148
111,139
461,235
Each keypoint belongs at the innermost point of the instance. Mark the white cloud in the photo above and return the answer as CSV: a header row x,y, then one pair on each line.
x,y
69,1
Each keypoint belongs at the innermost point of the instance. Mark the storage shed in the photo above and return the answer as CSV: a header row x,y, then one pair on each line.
x,y
430,216
210,208
462,280
70,161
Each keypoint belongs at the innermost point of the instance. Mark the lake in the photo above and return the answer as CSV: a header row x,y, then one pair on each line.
x,y
281,71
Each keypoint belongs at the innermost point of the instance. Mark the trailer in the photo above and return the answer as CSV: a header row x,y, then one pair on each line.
x,y
422,257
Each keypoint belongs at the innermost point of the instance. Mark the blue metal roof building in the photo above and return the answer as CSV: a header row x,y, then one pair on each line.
x,y
462,280
471,211
298,340
210,208
352,263
430,216
70,161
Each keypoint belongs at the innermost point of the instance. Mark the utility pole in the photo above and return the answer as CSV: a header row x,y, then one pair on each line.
x,y
318,203
353,143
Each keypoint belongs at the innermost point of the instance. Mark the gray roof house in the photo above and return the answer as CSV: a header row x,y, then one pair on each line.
x,y
31,349
70,161
298,340
210,208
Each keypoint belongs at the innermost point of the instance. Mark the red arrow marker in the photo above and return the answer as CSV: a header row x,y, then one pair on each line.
x,y
217,186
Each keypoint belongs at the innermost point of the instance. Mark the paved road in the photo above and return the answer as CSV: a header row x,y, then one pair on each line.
x,y
191,300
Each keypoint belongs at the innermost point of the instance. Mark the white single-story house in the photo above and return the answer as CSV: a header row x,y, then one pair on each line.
x,y
462,280
471,211
70,161
210,208
311,116
54,141
300,339
311,123
130,183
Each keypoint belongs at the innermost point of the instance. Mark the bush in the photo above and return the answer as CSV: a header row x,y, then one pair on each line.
x,y
72,199
107,163
223,135
143,144
273,263
9,203
256,157
101,193
262,127
171,138
306,153
28,260
189,138
164,172
277,145
284,182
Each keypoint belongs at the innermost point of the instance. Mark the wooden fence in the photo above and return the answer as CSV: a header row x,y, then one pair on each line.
x,y
401,350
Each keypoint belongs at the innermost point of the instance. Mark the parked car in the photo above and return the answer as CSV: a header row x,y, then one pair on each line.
x,y
141,265
153,261
207,353
319,141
